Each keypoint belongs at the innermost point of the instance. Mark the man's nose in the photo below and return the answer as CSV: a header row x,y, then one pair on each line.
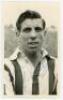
x,y
33,34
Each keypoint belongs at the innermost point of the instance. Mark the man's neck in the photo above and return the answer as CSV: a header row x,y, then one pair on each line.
x,y
34,57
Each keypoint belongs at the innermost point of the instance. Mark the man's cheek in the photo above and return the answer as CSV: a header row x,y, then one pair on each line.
x,y
40,38
25,39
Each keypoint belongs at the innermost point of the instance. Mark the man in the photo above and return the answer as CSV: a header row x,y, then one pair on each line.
x,y
30,70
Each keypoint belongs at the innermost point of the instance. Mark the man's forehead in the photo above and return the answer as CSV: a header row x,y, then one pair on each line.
x,y
32,22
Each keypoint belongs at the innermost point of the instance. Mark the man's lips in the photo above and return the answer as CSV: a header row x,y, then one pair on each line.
x,y
33,44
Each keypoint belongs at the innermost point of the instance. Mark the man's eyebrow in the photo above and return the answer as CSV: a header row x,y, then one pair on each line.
x,y
38,28
27,29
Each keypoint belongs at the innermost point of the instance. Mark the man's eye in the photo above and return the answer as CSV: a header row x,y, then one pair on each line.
x,y
27,30
38,29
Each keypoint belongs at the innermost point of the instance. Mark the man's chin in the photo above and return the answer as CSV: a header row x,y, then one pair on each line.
x,y
33,50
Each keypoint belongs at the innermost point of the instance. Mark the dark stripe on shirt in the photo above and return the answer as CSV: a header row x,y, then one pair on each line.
x,y
10,75
35,84
18,78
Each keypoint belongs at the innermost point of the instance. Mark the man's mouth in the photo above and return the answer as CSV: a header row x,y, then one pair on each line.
x,y
33,44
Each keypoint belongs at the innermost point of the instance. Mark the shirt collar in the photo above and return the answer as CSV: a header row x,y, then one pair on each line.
x,y
18,53
44,52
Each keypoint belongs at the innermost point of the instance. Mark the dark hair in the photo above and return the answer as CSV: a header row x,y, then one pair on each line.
x,y
28,14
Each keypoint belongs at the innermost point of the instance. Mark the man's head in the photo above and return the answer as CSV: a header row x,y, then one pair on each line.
x,y
30,29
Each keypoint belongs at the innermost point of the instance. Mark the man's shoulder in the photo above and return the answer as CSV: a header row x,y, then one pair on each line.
x,y
8,61
13,56
50,57
46,54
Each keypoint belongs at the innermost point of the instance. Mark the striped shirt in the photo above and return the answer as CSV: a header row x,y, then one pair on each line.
x,y
27,69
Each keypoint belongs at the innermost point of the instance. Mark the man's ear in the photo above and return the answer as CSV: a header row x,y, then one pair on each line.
x,y
45,32
17,32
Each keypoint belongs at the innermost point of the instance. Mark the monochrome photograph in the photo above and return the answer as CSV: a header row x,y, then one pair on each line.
x,y
31,65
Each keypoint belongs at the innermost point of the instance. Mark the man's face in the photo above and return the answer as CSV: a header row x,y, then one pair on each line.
x,y
32,35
